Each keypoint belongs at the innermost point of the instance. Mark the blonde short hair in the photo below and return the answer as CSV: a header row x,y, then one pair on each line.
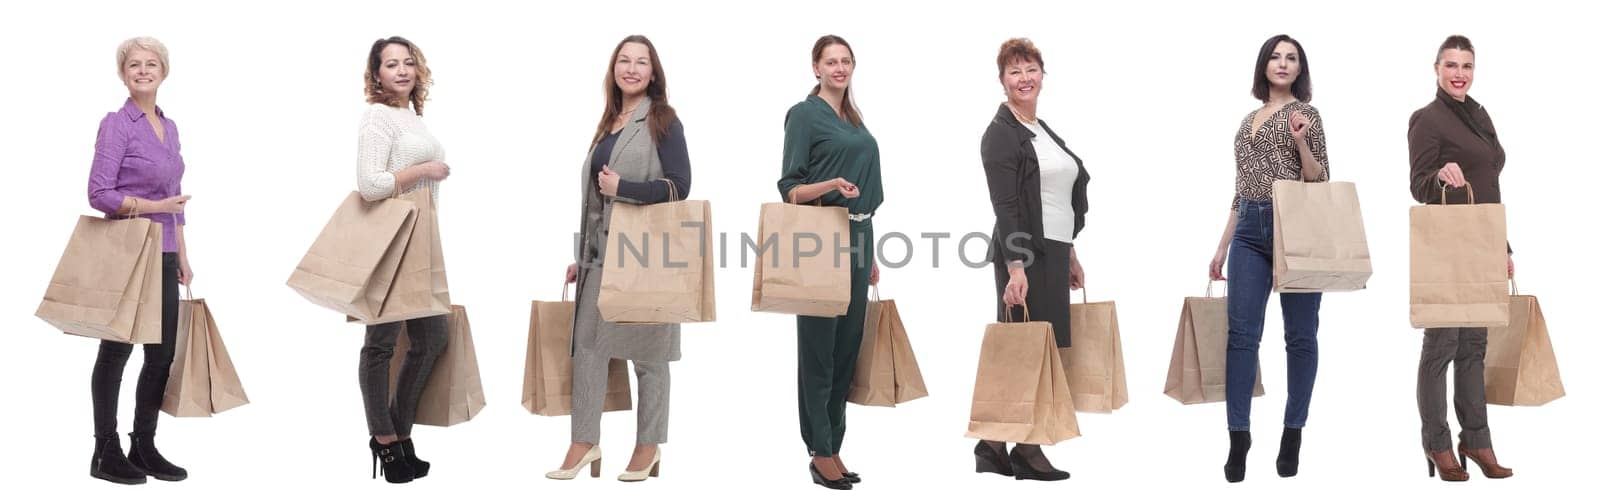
x,y
148,44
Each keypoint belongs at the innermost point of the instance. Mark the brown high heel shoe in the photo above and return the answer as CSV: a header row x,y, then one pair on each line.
x,y
1448,469
1485,459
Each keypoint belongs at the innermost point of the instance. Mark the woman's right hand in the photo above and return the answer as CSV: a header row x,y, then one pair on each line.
x,y
572,273
173,205
1017,288
845,188
435,170
1217,262
1452,176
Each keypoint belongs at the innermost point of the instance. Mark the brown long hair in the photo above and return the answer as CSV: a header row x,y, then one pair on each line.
x,y
661,113
845,105
419,92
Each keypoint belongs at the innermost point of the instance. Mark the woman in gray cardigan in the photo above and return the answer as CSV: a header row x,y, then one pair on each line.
x,y
638,156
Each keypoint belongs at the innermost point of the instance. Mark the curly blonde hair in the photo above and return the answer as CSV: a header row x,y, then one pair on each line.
x,y
374,88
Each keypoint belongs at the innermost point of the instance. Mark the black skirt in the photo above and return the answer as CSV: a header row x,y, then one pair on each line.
x,y
1048,288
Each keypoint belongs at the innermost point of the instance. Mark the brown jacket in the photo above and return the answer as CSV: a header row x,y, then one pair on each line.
x,y
1437,136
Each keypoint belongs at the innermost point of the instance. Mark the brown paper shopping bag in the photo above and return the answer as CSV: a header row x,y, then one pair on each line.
x,y
108,282
1021,394
1319,242
352,263
800,269
1094,362
1520,365
659,265
454,392
1458,265
1199,367
547,374
203,380
418,288
886,370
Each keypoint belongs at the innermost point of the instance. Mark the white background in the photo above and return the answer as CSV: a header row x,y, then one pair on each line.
x,y
267,97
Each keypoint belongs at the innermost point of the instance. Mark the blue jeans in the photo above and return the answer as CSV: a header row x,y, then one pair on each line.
x,y
1249,284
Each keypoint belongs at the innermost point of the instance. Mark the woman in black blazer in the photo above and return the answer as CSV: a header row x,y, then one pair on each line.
x,y
1037,188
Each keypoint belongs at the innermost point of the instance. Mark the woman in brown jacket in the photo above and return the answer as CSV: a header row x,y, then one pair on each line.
x,y
1453,144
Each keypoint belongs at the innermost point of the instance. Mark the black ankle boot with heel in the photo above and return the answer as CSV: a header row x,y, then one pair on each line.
x,y
1238,448
1029,463
110,464
1289,453
418,466
991,460
389,460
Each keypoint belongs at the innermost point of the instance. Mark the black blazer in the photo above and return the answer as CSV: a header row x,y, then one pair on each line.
x,y
1012,168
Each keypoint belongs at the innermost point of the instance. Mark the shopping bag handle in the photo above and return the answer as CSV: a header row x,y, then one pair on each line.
x,y
1444,195
875,294
672,190
1514,287
189,295
1208,288
564,286
1025,318
1085,291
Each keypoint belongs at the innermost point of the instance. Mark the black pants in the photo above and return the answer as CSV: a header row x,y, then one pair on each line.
x,y
105,384
393,414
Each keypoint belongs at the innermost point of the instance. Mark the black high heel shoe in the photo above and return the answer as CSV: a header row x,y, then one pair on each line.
x,y
418,466
817,478
392,457
991,461
1025,471
1238,448
1289,453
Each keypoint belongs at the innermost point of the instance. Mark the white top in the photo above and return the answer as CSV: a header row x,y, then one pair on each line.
x,y
392,139
1058,171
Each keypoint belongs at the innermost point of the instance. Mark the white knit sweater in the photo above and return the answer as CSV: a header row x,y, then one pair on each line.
x,y
392,139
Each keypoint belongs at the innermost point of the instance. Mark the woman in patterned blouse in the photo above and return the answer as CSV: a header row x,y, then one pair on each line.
x,y
1282,139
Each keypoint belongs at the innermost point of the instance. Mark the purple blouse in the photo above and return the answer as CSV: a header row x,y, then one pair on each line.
x,y
129,160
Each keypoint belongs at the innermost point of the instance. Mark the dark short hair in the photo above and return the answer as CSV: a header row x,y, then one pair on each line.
x,y
1017,49
1301,88
1454,42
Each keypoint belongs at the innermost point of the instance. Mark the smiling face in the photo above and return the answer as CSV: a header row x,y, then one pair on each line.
x,y
143,72
634,69
834,67
397,70
1023,79
1283,67
1455,68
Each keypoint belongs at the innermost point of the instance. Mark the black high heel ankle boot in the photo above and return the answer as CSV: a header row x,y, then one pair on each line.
x,y
143,454
418,466
1238,447
1289,453
992,461
392,457
110,464
1023,460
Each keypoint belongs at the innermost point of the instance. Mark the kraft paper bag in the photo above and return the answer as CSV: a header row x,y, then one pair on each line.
x,y
800,269
419,288
1021,394
658,263
1198,372
547,375
886,370
1319,243
1458,266
107,284
352,263
202,380
454,391
1520,365
1094,362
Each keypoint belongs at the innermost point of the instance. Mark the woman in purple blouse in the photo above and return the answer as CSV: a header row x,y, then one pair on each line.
x,y
137,171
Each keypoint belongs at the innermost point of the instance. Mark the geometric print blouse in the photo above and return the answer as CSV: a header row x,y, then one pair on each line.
x,y
1270,153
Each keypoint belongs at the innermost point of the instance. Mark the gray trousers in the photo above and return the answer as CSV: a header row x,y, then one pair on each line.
x,y
1465,347
589,392
394,415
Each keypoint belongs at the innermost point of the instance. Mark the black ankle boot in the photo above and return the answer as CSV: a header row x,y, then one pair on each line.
x,y
418,466
392,456
1289,453
992,461
1238,447
143,454
111,465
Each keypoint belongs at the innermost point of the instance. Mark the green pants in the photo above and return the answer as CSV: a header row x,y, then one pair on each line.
x,y
828,350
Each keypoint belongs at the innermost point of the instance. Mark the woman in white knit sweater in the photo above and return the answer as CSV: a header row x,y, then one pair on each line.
x,y
397,155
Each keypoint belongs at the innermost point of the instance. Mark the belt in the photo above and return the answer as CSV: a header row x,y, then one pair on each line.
x,y
860,217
